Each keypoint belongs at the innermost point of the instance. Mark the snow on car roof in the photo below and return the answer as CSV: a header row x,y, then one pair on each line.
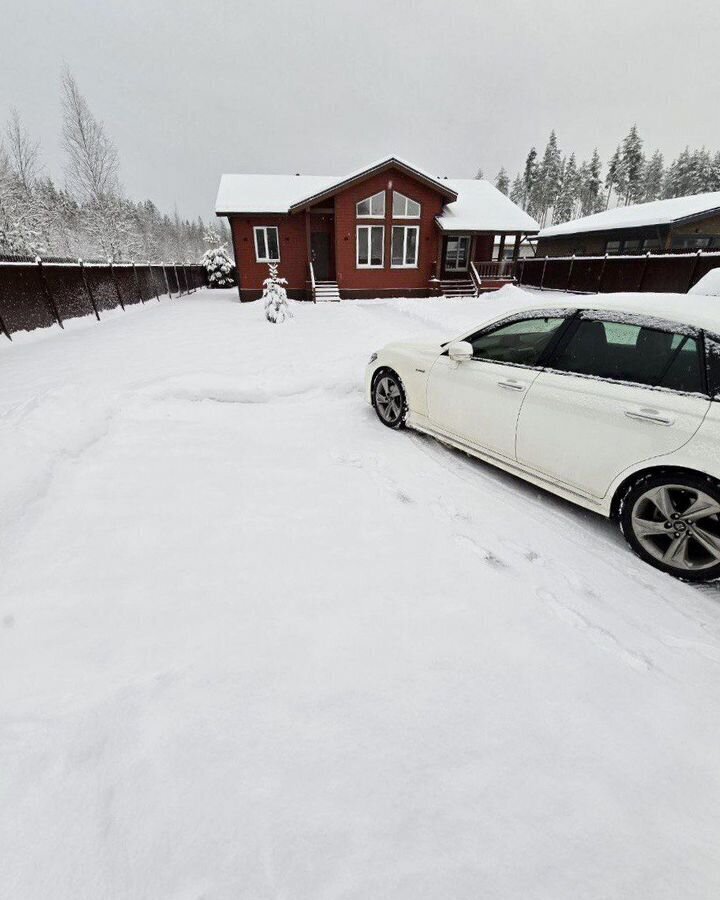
x,y
482,207
685,309
657,212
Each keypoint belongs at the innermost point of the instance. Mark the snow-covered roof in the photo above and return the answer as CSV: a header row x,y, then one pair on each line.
x,y
657,212
267,193
478,207
482,207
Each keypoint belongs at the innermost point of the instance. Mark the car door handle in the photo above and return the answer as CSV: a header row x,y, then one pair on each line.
x,y
511,385
649,415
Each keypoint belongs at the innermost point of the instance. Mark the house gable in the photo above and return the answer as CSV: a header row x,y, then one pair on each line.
x,y
378,168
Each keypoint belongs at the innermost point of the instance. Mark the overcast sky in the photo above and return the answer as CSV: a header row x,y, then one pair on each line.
x,y
188,90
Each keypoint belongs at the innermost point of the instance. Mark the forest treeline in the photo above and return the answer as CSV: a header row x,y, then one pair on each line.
x,y
555,187
89,216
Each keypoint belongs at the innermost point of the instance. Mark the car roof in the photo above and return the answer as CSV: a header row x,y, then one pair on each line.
x,y
686,309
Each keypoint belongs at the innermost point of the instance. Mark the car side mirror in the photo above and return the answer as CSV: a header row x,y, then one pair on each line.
x,y
460,351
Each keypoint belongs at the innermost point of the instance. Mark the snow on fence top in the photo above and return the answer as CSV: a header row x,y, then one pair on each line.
x,y
657,212
479,206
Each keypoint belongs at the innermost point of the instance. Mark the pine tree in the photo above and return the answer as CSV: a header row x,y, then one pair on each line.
x,y
275,297
631,170
653,178
614,175
590,181
529,176
517,191
502,182
566,202
547,183
480,175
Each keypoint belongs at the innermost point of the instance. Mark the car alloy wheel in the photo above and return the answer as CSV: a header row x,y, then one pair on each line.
x,y
389,400
678,526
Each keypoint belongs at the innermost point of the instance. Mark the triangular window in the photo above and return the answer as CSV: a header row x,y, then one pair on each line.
x,y
404,207
372,207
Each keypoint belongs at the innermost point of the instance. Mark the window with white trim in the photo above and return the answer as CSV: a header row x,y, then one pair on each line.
x,y
404,207
267,243
370,246
371,207
404,254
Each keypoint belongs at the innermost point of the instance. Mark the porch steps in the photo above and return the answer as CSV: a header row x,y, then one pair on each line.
x,y
326,290
458,287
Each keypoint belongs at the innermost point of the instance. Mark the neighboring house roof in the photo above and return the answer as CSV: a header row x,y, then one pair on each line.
x,y
482,207
657,212
472,205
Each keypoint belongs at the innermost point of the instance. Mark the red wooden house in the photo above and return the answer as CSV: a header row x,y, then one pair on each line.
x,y
386,230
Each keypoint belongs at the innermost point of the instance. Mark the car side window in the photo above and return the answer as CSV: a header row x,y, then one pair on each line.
x,y
712,348
623,351
522,342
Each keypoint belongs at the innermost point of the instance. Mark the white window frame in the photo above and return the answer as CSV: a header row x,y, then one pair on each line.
x,y
371,215
403,264
406,214
368,264
265,229
459,237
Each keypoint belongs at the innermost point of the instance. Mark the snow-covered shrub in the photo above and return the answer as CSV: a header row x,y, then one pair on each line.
x,y
275,297
219,267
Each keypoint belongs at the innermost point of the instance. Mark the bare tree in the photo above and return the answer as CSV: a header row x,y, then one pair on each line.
x,y
92,166
22,151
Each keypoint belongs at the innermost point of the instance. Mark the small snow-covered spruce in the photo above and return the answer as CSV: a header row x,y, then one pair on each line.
x,y
219,267
275,297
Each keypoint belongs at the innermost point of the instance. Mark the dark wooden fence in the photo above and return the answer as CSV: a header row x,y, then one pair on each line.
x,y
669,272
36,294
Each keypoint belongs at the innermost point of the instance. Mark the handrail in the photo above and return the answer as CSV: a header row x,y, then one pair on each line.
x,y
497,268
475,277
312,282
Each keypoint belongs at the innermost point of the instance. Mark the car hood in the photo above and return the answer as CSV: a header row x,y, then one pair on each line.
x,y
415,346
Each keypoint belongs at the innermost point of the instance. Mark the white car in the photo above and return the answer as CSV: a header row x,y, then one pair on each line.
x,y
613,404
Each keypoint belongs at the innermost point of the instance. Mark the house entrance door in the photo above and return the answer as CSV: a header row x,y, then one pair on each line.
x,y
320,254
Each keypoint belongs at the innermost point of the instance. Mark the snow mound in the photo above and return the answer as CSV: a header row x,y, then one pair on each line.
x,y
708,285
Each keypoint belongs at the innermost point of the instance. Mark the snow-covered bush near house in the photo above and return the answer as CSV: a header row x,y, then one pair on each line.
x,y
275,297
708,285
219,267
255,645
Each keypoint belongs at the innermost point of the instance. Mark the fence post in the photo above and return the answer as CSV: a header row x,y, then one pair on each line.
x,y
48,295
3,327
694,269
572,263
137,282
167,283
644,271
87,288
117,286
542,277
185,273
152,281
177,279
602,274
522,271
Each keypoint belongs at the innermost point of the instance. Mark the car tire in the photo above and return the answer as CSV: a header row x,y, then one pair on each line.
x,y
672,521
388,399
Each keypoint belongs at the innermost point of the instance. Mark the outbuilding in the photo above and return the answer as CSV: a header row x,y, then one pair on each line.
x,y
678,225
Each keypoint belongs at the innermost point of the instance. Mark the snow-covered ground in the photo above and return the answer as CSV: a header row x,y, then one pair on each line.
x,y
255,645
